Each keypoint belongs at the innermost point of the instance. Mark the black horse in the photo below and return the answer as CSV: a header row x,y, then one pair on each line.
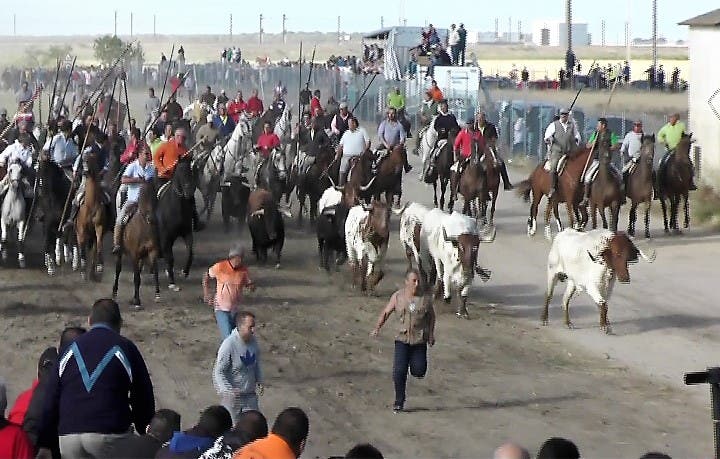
x,y
313,182
174,217
53,188
272,174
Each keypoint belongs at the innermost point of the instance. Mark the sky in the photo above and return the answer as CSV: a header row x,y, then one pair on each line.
x,y
54,17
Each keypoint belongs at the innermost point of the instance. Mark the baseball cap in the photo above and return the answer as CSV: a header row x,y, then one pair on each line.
x,y
564,111
343,105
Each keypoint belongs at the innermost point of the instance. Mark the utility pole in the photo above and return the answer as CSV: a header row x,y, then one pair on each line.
x,y
497,29
338,31
131,24
230,26
261,29
382,22
510,29
284,29
602,32
115,33
654,37
14,24
154,34
520,37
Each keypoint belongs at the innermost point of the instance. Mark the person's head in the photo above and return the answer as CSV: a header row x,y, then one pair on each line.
x,y
245,323
89,120
180,135
142,156
364,451
66,127
315,124
602,124
638,126
3,114
236,255
343,108
428,96
412,281
150,137
564,114
133,123
207,90
107,312
24,85
24,139
433,83
68,336
558,448
293,426
164,115
254,92
443,106
163,424
222,110
353,123
215,421
392,114
3,398
316,93
251,425
468,124
239,96
168,130
674,118
511,451
45,363
267,127
480,118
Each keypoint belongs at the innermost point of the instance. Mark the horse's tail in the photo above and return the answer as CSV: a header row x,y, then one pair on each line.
x,y
523,189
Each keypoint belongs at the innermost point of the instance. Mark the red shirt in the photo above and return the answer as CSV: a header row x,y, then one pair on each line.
x,y
235,108
255,106
14,443
130,153
314,105
266,142
17,412
174,84
463,142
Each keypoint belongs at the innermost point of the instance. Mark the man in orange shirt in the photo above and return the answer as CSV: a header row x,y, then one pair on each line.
x,y
435,92
286,440
231,277
165,160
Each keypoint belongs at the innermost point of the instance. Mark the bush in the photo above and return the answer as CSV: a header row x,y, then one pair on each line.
x,y
706,206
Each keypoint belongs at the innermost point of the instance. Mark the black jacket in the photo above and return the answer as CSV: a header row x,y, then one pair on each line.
x,y
315,145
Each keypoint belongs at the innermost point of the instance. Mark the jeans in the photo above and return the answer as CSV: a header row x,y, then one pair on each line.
x,y
226,322
237,404
407,356
88,445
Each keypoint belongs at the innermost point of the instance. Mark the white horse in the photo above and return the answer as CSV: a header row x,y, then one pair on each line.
x,y
283,128
13,213
222,162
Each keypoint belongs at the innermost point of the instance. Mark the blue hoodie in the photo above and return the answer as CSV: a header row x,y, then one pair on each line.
x,y
185,444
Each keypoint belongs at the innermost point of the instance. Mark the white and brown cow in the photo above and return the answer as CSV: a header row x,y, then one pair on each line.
x,y
411,217
590,261
367,235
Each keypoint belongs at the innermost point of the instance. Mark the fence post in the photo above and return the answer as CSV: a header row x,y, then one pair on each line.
x,y
696,160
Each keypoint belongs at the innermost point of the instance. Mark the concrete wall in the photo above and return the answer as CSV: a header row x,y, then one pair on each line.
x,y
704,81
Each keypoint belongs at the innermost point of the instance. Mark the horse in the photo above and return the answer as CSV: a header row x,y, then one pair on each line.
x,y
140,242
13,213
639,184
272,174
313,183
569,190
92,220
472,185
53,190
388,176
283,129
174,216
220,162
674,184
492,180
358,173
442,171
606,191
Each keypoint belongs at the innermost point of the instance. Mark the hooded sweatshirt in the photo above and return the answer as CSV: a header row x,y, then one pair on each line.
x,y
188,444
238,365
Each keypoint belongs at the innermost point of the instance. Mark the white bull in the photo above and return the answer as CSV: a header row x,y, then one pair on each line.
x,y
449,244
366,239
411,218
590,261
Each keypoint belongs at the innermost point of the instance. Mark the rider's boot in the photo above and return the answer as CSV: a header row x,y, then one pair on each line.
x,y
586,195
117,238
506,180
553,184
71,218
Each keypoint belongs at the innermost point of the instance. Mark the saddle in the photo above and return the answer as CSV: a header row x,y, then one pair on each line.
x,y
131,210
378,157
560,166
436,151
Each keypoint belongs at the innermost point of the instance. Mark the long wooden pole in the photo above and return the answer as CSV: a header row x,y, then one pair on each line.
x,y
167,73
107,115
162,108
101,85
54,91
67,85
363,93
127,102
607,105
300,105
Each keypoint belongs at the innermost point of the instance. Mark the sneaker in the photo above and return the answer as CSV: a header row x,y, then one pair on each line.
x,y
397,408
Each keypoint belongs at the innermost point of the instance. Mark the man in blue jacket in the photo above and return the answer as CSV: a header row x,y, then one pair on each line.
x,y
101,386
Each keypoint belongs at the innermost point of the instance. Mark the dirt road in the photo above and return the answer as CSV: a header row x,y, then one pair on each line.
x,y
498,376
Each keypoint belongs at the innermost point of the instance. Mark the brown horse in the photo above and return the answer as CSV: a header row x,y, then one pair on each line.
x,y
357,186
675,184
92,219
606,191
442,172
492,180
639,184
569,191
140,242
388,178
472,185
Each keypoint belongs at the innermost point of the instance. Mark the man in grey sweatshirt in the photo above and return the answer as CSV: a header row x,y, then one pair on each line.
x,y
237,375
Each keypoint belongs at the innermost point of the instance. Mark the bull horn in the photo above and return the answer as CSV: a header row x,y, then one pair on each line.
x,y
339,188
365,188
488,236
445,237
366,207
401,210
328,176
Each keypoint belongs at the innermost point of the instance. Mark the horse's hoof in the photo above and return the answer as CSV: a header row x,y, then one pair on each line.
x,y
174,288
185,274
83,275
136,306
277,265
447,299
99,269
607,329
157,298
677,232
544,322
21,263
570,326
462,315
647,235
114,295
51,272
548,233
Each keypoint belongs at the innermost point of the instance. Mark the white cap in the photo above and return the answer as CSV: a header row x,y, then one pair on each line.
x,y
209,118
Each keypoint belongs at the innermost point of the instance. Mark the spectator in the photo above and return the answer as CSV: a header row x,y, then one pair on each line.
x,y
222,99
519,134
453,43
237,375
462,43
24,95
152,106
558,448
267,141
232,277
14,443
511,451
251,426
286,440
213,423
435,92
160,431
412,66
92,412
22,403
315,102
174,109
364,451
223,122
208,97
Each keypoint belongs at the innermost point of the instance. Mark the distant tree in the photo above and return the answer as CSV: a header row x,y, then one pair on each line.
x,y
109,47
54,52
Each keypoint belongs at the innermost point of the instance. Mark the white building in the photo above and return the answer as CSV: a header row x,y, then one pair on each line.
x,y
704,88
554,33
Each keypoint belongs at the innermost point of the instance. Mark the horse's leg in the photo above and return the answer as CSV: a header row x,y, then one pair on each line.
x,y
614,213
21,243
687,210
664,211
170,261
156,276
593,212
301,203
136,284
443,188
99,268
674,210
59,251
548,209
3,239
435,198
632,218
189,246
492,209
602,216
118,269
49,244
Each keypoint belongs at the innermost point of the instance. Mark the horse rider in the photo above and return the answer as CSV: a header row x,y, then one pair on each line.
x,y
443,123
670,136
314,140
391,134
277,106
62,148
254,105
138,172
208,98
353,143
165,160
21,152
428,110
236,106
315,102
489,135
602,140
563,137
223,122
631,145
341,121
397,101
208,134
266,143
463,147
97,148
